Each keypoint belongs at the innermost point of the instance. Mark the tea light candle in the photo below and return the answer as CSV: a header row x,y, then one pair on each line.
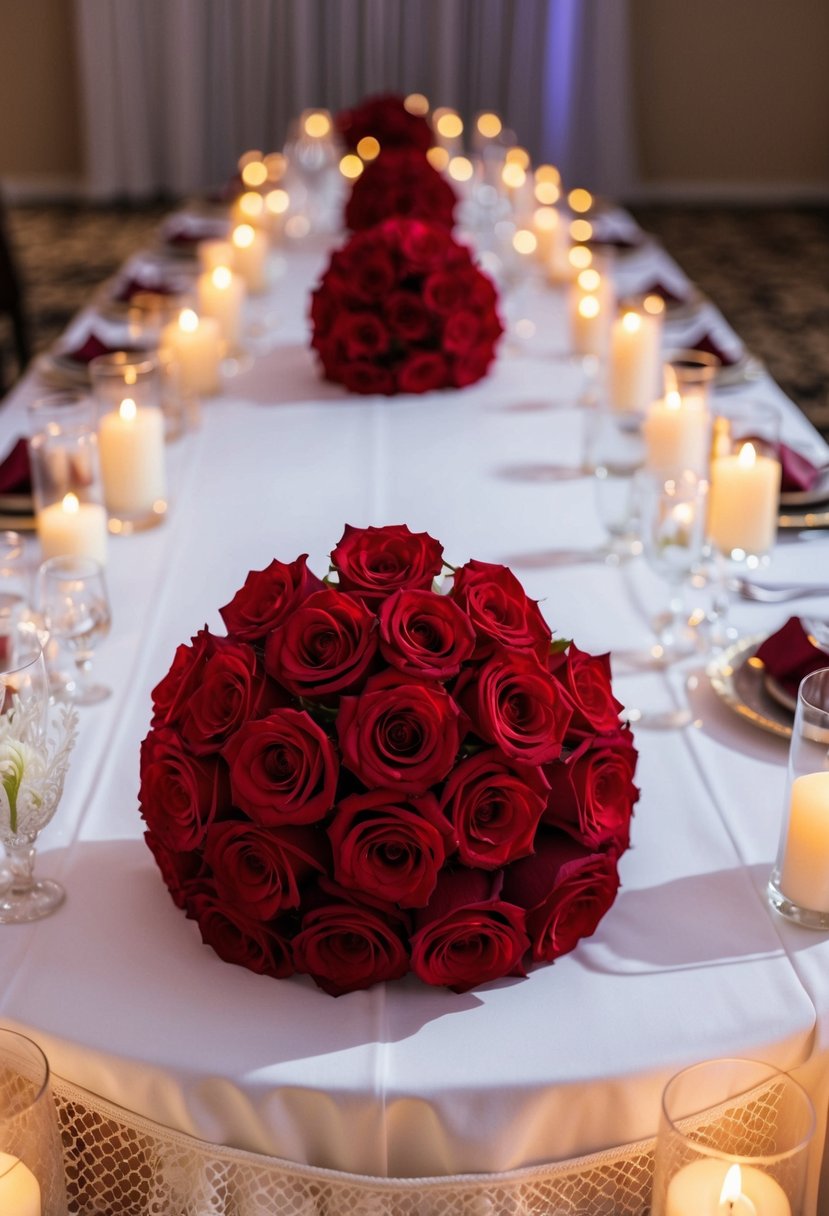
x,y
195,344
713,1188
745,489
215,253
221,294
71,526
19,1189
131,443
676,435
635,360
804,877
250,250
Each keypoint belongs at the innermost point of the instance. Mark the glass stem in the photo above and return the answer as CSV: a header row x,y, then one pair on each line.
x,y
21,864
83,666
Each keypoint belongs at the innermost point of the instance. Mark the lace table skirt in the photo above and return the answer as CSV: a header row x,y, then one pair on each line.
x,y
118,1164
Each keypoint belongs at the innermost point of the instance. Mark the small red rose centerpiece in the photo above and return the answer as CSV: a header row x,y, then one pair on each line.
x,y
402,308
401,181
367,777
386,119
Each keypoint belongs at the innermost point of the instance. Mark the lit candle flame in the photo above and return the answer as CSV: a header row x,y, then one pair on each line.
x,y
581,230
221,277
580,200
513,175
368,148
277,201
631,322
70,504
580,256
251,204
460,169
655,305
255,173
450,125
243,236
317,125
188,321
589,307
545,219
673,401
128,409
589,280
747,456
524,241
351,166
489,125
416,103
732,1187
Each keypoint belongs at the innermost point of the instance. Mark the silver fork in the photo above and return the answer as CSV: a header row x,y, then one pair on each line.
x,y
778,593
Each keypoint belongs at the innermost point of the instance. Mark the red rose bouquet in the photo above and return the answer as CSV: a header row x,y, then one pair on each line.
x,y
400,182
387,120
367,777
403,308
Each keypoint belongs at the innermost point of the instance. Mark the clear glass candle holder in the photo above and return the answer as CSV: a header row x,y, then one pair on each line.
x,y
745,482
733,1140
131,436
66,476
691,373
799,883
32,1180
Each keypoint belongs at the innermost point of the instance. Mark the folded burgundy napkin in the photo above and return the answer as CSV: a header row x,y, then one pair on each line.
x,y
708,346
15,470
190,230
798,472
791,654
134,286
91,348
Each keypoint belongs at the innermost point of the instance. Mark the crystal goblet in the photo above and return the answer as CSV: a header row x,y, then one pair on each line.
x,y
73,598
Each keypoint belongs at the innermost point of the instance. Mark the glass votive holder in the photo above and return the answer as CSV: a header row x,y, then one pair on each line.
x,y
15,577
745,483
733,1140
635,352
32,1180
131,435
691,373
799,883
66,476
194,346
614,452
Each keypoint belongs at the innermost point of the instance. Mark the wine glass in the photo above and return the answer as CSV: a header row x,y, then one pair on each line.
x,y
614,451
672,517
74,601
34,755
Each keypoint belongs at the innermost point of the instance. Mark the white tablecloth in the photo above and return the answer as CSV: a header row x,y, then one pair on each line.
x,y
403,1080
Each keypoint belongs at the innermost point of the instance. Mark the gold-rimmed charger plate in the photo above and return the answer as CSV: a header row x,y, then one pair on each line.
x,y
804,519
738,677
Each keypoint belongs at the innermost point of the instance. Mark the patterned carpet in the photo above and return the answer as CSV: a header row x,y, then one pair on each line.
x,y
767,269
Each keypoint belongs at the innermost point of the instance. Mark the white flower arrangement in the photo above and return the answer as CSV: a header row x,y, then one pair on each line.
x,y
33,764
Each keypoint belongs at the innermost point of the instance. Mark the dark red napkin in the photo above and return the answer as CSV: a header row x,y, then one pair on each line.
x,y
798,472
789,655
708,346
92,347
134,286
15,470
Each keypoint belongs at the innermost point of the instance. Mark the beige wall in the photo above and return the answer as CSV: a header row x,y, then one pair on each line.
x,y
40,130
732,91
730,94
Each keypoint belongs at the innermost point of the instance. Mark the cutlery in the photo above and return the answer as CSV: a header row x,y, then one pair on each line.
x,y
775,593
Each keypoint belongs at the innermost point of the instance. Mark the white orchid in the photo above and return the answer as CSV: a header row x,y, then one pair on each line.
x,y
33,764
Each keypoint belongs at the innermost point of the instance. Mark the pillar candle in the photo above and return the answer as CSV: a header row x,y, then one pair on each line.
x,y
676,436
804,877
742,505
221,294
250,251
71,526
195,344
131,443
215,253
635,360
701,1189
591,310
19,1189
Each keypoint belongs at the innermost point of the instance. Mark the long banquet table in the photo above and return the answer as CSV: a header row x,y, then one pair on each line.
x,y
153,1040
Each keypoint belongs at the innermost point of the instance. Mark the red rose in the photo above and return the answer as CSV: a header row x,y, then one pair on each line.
x,y
423,246
180,871
423,634
467,935
400,182
372,275
471,366
444,293
461,332
407,317
422,372
171,695
398,734
180,793
592,794
587,679
344,945
232,688
566,890
500,609
373,562
238,939
494,807
389,847
516,704
386,118
361,335
258,871
283,769
267,597
327,646
363,377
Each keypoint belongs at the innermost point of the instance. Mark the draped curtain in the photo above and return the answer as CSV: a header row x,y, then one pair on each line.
x,y
174,90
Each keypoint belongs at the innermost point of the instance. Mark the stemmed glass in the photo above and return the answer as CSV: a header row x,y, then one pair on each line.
x,y
74,601
34,756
